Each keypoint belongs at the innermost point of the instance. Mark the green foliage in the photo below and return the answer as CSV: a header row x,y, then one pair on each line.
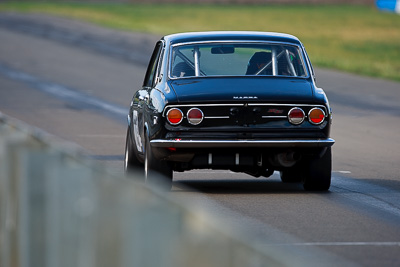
x,y
357,39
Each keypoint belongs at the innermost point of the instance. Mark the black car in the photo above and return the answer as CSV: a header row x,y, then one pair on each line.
x,y
240,101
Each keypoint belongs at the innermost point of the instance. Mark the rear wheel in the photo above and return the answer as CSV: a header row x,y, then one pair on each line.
x,y
319,172
157,172
132,165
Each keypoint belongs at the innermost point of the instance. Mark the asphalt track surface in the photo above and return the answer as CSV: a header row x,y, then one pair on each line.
x,y
75,81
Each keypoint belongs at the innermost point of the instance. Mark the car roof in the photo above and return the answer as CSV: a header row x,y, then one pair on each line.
x,y
230,36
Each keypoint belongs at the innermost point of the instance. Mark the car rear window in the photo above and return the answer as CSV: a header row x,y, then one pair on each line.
x,y
237,59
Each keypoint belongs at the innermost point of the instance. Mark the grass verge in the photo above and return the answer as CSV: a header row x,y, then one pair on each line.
x,y
356,39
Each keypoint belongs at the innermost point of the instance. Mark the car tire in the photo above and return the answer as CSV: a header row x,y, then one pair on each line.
x,y
158,173
132,165
318,176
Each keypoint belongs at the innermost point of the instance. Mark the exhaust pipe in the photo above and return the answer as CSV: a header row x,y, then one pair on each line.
x,y
288,159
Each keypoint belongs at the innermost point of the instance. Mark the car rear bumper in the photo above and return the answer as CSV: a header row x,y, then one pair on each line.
x,y
276,143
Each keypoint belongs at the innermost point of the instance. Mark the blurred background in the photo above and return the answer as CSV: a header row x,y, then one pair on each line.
x,y
359,36
68,70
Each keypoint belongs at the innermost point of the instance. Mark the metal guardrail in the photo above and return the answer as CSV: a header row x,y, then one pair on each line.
x,y
59,209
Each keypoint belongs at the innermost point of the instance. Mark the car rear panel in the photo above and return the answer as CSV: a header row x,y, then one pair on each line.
x,y
246,120
240,89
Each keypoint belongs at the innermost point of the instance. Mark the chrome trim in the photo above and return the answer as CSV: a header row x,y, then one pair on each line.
x,y
237,159
244,41
242,143
200,105
205,105
313,123
274,117
287,105
239,105
217,117
249,104
155,120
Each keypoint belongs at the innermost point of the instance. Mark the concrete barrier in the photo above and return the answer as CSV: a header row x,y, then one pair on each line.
x,y
58,208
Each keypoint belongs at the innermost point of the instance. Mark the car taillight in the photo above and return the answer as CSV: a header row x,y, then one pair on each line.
x,y
195,116
316,116
174,116
296,116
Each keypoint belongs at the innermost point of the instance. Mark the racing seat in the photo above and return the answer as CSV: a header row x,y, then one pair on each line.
x,y
258,61
182,69
283,67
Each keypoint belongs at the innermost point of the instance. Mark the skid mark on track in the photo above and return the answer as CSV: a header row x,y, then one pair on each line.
x,y
383,198
62,92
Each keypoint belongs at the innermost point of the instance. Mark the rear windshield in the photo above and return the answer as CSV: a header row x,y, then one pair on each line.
x,y
237,59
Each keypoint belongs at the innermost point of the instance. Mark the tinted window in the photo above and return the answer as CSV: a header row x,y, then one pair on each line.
x,y
237,59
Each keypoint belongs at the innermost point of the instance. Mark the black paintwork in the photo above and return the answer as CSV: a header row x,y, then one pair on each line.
x,y
255,93
266,89
226,35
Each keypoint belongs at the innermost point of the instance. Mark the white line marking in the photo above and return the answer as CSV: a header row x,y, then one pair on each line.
x,y
61,91
393,244
345,172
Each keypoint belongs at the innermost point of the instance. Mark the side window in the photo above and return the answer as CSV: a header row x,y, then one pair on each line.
x,y
309,63
152,68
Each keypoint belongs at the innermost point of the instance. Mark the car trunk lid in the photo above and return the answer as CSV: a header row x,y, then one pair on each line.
x,y
243,89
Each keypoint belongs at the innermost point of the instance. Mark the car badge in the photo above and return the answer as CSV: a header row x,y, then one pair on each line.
x,y
275,111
